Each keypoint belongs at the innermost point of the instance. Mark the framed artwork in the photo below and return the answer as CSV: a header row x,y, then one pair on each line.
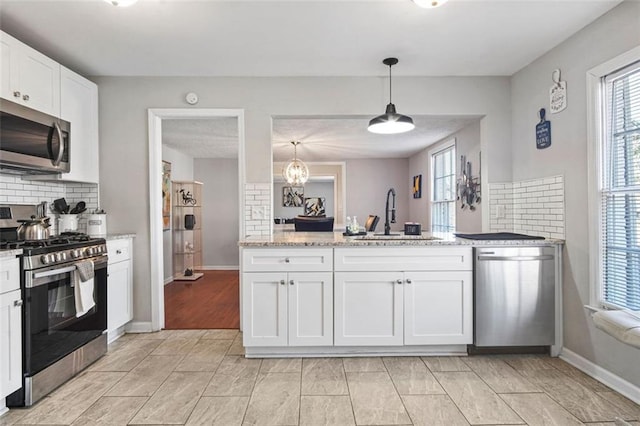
x,y
166,195
314,206
292,196
417,186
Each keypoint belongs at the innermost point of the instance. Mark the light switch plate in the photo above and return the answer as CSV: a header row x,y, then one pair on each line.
x,y
500,212
258,212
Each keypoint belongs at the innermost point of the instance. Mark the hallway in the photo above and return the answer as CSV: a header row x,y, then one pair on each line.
x,y
210,302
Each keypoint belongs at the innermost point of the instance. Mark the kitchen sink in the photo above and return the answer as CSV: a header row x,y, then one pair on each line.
x,y
402,237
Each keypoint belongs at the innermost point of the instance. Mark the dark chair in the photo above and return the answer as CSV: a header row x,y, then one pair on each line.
x,y
370,224
313,224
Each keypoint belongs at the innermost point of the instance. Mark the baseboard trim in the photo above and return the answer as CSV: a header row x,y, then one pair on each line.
x,y
614,381
139,327
220,268
168,280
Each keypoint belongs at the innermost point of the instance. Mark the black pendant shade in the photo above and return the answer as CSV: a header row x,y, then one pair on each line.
x,y
390,122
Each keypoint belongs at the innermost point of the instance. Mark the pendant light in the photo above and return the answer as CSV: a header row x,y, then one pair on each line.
x,y
390,122
296,172
429,4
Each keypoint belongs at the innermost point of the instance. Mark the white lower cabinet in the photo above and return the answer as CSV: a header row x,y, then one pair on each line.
x,y
119,286
403,296
10,329
288,308
403,308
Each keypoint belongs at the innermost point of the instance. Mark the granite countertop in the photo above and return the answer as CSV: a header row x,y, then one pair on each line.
x,y
336,239
9,253
119,236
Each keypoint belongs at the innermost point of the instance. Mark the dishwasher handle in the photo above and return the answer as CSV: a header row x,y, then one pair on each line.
x,y
518,258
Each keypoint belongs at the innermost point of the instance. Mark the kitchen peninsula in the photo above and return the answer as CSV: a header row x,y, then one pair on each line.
x,y
324,294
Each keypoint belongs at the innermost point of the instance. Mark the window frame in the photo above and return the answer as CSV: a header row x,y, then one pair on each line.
x,y
596,137
448,144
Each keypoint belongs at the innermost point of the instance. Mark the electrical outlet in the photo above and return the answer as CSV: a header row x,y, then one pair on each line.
x,y
258,212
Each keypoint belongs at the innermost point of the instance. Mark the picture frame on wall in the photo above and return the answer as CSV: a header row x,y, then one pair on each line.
x,y
417,186
166,195
292,196
314,206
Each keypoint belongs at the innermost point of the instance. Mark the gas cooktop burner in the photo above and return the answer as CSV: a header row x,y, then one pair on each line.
x,y
65,238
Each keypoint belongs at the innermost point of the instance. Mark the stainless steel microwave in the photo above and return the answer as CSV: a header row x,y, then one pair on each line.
x,y
31,141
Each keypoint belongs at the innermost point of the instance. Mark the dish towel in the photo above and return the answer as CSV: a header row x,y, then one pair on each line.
x,y
83,283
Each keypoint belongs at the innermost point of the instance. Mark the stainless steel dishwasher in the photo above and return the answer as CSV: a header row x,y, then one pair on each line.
x,y
514,296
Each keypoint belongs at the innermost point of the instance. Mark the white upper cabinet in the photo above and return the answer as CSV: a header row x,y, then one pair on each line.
x,y
28,77
79,106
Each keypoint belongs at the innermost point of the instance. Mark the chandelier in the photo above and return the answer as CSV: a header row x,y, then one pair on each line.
x,y
296,172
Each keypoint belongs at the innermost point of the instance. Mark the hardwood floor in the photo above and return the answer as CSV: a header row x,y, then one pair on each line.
x,y
213,301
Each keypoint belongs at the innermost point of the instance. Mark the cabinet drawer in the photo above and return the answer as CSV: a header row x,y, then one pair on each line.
x,y
9,275
403,259
268,259
118,250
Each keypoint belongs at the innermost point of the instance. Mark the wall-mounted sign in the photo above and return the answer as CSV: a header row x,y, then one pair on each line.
x,y
557,93
543,131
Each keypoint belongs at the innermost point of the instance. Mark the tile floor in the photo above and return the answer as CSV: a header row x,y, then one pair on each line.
x,y
199,377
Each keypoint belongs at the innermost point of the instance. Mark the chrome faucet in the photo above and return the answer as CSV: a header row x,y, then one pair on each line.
x,y
387,226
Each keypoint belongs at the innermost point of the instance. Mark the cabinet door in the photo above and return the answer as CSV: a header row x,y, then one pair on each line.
x,y
38,80
368,308
6,86
10,342
310,306
79,106
438,308
264,308
119,295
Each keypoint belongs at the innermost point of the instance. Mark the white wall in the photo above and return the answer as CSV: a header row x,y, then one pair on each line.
x,y
311,189
468,144
124,149
609,36
220,211
367,184
181,169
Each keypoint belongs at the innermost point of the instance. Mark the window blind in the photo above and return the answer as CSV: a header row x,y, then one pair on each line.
x,y
620,193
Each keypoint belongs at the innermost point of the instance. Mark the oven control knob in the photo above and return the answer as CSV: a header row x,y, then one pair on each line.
x,y
44,259
98,249
63,256
75,254
89,251
57,257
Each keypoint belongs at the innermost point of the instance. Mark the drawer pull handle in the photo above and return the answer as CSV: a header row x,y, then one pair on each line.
x,y
408,281
291,282
286,260
118,251
16,94
399,281
25,97
281,282
17,303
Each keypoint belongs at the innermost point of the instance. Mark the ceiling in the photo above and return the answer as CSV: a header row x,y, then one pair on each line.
x,y
202,138
299,38
344,138
296,37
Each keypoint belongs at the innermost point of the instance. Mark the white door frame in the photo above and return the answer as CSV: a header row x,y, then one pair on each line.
x,y
156,115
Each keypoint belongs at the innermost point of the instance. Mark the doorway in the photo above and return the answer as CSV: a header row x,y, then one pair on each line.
x,y
210,298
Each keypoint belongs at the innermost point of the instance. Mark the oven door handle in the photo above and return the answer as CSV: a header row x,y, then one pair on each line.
x,y
54,272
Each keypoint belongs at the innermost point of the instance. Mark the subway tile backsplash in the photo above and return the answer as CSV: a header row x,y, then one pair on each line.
x,y
534,207
15,190
257,196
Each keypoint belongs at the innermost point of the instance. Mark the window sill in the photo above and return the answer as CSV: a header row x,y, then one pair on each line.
x,y
621,325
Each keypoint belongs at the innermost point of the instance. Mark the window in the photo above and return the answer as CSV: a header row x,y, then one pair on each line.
x,y
443,194
619,190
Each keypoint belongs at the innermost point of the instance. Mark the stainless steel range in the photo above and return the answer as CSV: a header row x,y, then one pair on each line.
x,y
58,339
